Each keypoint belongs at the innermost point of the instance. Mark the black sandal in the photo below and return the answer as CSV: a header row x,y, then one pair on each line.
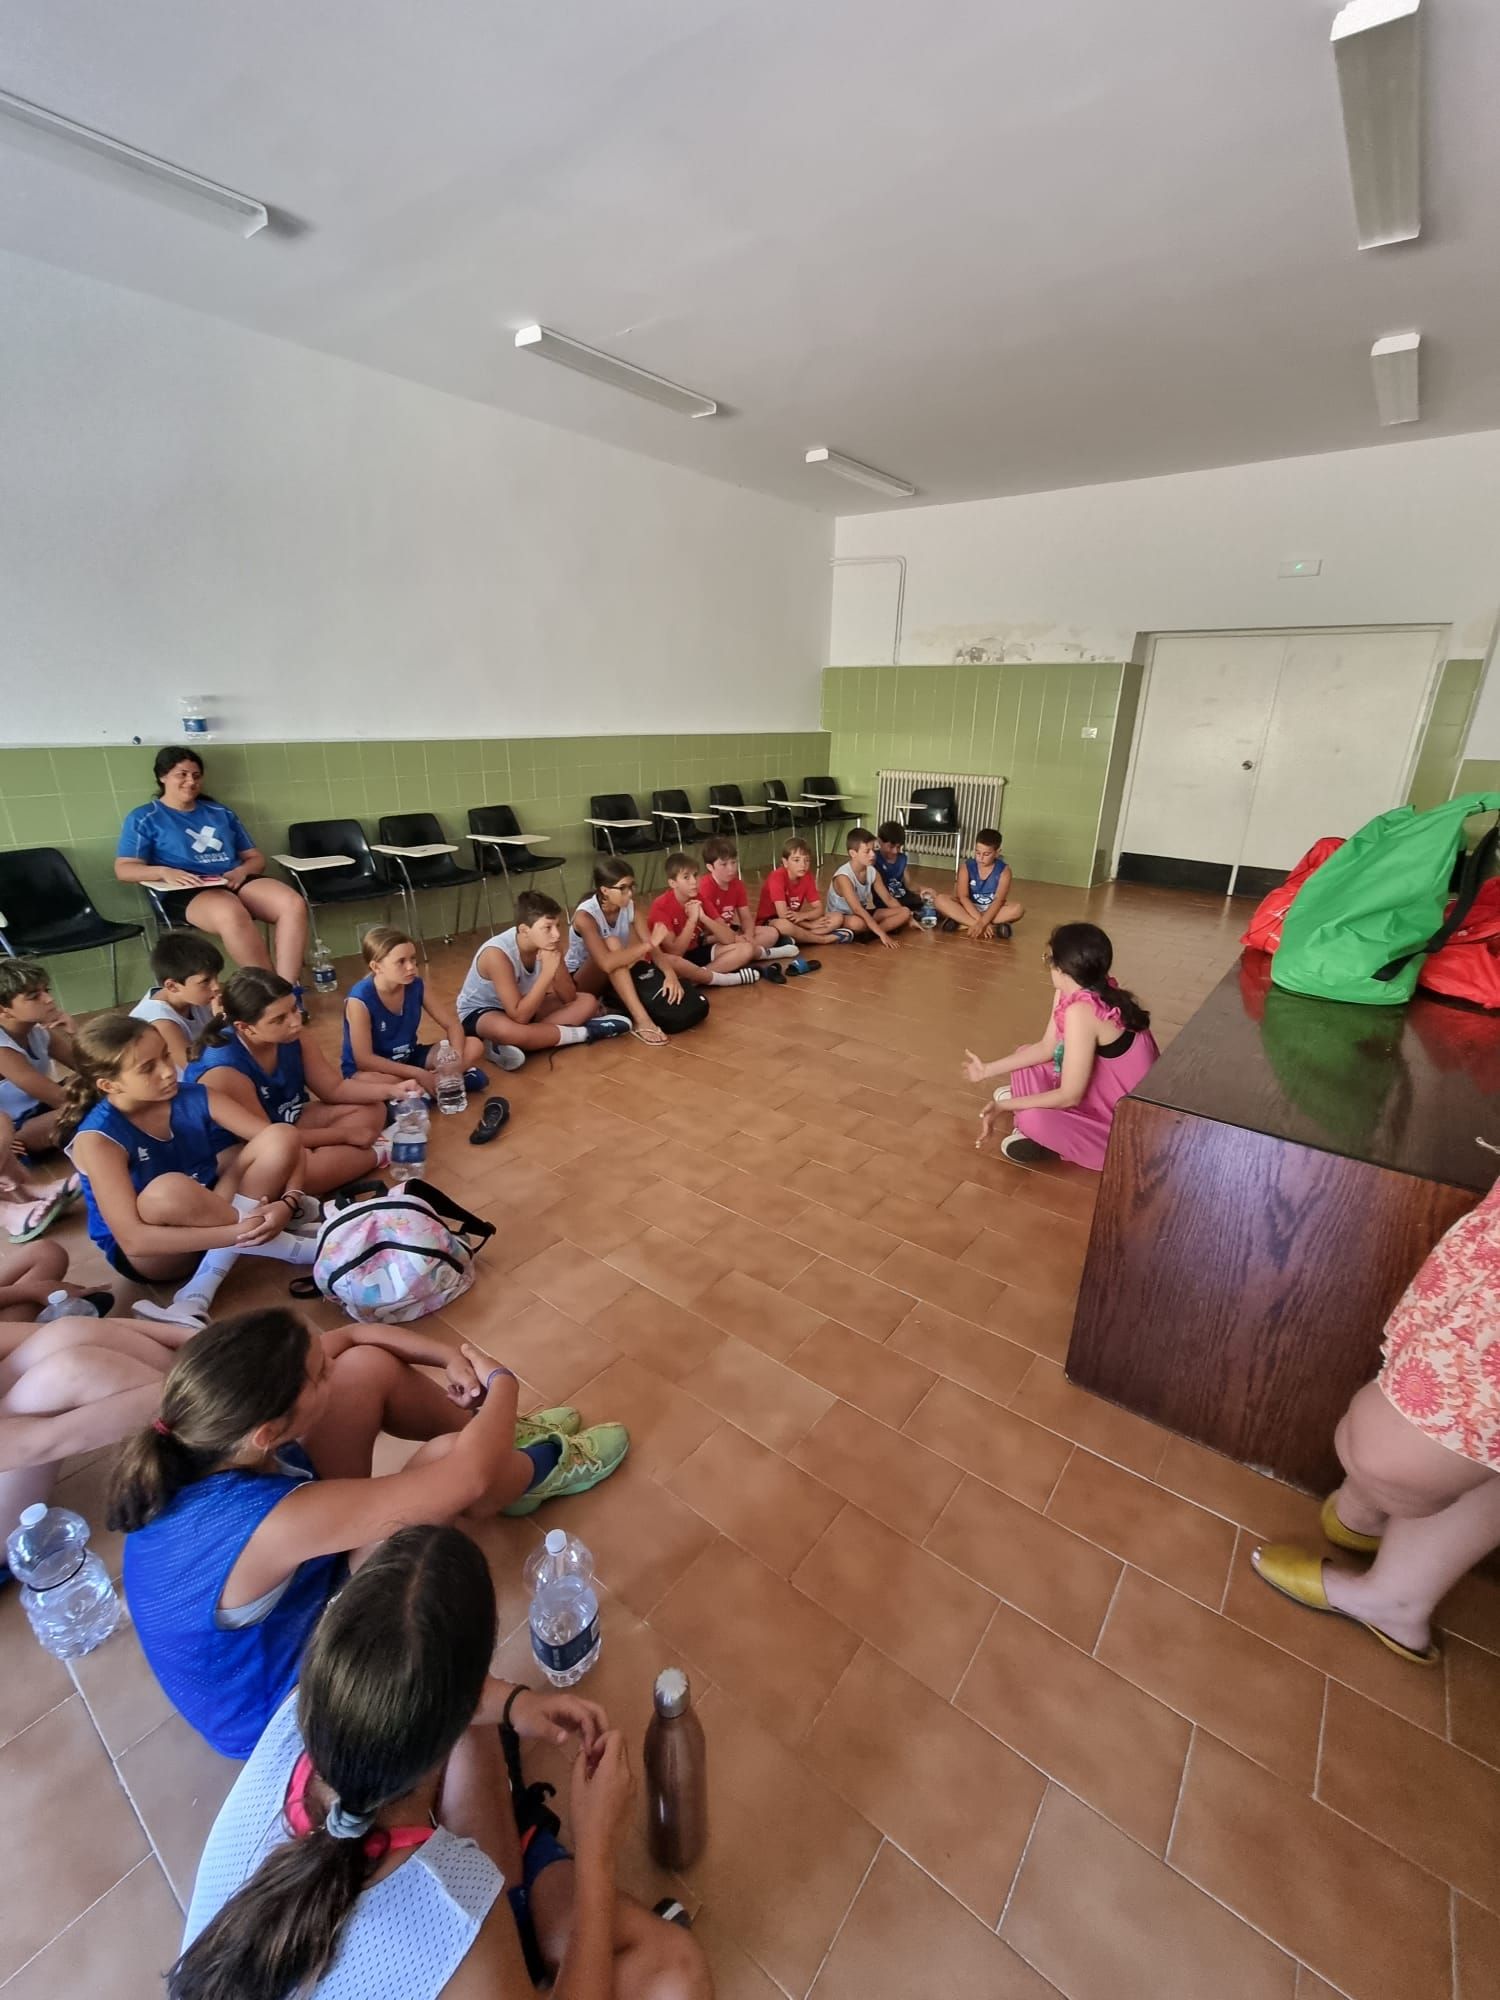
x,y
492,1121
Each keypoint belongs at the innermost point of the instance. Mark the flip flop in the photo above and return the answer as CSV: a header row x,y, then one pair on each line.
x,y
1345,1538
492,1121
50,1207
1297,1574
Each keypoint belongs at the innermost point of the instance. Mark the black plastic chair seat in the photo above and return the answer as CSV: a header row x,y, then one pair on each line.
x,y
362,881
673,812
830,812
933,809
622,839
501,821
45,911
83,932
785,811
434,871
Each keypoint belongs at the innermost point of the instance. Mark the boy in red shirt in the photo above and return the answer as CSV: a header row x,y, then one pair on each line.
x,y
725,907
676,924
790,904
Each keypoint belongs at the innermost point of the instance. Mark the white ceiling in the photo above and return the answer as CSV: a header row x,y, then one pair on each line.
x,y
990,247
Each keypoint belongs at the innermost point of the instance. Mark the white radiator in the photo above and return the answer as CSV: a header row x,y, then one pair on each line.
x,y
980,802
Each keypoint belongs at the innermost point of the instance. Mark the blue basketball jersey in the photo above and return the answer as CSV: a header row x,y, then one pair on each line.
x,y
282,1091
983,889
392,1036
193,1148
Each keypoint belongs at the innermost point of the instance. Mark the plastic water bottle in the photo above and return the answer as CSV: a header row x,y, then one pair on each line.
x,y
194,721
408,1138
62,1305
564,1609
66,1591
929,916
324,972
448,1080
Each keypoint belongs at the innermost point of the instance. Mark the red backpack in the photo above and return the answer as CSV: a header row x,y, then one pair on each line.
x,y
1264,933
1467,967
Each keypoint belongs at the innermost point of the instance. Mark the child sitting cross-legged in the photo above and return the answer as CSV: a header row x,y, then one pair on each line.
x,y
981,903
859,898
725,905
790,904
519,995
611,944
891,859
181,1003
34,1032
678,933
383,1018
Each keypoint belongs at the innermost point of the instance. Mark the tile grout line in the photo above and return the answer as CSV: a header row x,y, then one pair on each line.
x,y
145,1861
1015,1880
1181,1793
880,1846
1114,1596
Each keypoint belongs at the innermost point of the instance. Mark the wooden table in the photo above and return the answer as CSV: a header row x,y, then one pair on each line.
x,y
1271,1187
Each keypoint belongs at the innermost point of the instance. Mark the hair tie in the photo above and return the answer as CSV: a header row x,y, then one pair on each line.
x,y
161,1427
344,1825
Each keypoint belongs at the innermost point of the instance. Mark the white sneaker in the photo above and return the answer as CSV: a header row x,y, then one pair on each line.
x,y
504,1055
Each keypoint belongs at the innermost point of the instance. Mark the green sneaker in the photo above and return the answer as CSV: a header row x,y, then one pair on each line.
x,y
564,1421
586,1459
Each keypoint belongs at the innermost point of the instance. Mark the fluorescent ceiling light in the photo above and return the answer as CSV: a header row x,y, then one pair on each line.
x,y
1393,363
76,146
1378,54
617,374
862,475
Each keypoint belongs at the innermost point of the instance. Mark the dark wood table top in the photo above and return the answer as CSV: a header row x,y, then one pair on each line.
x,y
1410,1088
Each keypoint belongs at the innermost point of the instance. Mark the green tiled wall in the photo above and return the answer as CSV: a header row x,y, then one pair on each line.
x,y
1478,774
75,799
1443,740
1024,723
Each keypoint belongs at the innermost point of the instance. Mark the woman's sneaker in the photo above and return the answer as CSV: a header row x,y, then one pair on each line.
x,y
1026,1152
504,1056
587,1459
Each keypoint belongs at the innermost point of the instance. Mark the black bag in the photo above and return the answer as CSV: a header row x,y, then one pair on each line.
x,y
673,1018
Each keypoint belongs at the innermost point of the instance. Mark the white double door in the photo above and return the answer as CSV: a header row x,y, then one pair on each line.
x,y
1253,745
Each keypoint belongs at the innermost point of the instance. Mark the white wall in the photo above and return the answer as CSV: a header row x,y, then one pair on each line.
x,y
1408,534
188,507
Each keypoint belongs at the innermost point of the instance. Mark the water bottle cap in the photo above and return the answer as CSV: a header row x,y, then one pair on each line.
x,y
557,1541
672,1692
57,1298
31,1515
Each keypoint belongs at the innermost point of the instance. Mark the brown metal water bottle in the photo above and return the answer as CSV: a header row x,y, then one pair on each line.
x,y
676,1774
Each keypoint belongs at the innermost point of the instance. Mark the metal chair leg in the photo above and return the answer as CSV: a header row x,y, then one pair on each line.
x,y
114,974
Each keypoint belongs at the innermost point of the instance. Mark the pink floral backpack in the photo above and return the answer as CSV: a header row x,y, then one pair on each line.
x,y
397,1256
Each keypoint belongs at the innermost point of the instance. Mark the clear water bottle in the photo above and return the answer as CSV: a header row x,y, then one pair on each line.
x,y
448,1080
928,918
564,1609
194,721
66,1591
408,1138
62,1305
324,972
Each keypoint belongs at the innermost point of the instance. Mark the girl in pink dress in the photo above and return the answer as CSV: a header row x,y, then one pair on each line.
x,y
1063,1089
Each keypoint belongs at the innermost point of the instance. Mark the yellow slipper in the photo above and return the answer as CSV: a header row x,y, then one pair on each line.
x,y
1299,1575
1345,1538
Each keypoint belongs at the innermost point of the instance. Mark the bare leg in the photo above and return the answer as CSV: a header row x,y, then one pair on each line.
x,y
892,920
471,1051
67,1381
29,1274
223,913
339,1143
653,1960
264,1167
540,1033
1008,913
280,905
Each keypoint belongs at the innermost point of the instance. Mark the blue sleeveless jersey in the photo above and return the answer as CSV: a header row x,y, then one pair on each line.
x,y
392,1036
984,888
282,1093
228,1685
193,1149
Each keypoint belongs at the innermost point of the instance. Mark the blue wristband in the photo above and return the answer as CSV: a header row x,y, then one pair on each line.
x,y
498,1371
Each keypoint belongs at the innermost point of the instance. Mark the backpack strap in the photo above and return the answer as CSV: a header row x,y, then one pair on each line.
x,y
457,1219
1472,870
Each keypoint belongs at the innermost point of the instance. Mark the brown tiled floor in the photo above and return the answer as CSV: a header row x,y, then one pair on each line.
x,y
994,1702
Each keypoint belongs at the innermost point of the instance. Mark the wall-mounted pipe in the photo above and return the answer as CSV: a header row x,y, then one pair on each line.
x,y
843,562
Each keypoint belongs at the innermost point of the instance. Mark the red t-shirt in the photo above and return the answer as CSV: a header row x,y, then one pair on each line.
x,y
778,887
718,903
671,915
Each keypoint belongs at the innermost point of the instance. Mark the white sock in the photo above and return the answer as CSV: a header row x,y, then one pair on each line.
x,y
567,1036
195,1299
747,976
284,1248
782,951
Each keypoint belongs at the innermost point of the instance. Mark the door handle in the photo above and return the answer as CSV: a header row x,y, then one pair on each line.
x,y
1247,765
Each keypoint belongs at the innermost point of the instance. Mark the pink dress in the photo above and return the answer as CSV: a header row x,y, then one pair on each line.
x,y
1442,1343
1082,1134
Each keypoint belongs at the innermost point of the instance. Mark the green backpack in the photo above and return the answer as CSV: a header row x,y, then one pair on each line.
x,y
1361,926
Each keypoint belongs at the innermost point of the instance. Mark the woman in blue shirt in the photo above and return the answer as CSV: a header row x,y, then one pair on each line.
x,y
214,873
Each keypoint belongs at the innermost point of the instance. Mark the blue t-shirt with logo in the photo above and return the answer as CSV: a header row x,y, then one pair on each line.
x,y
892,873
209,840
393,1037
983,889
192,1147
282,1091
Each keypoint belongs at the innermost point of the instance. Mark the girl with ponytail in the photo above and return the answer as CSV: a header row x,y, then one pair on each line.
x,y
176,1188
1064,1088
255,1055
243,1497
365,1846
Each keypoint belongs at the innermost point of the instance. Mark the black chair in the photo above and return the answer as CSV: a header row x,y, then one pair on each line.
x,y
931,814
830,815
733,816
360,880
431,871
646,840
785,812
45,911
496,825
675,816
